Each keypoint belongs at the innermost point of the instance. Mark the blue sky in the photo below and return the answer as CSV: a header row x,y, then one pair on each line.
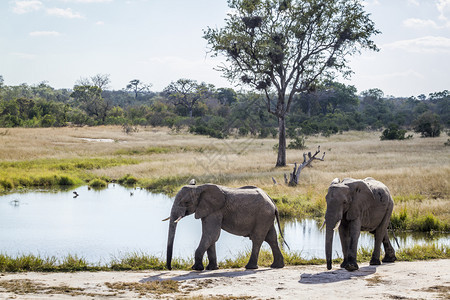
x,y
160,41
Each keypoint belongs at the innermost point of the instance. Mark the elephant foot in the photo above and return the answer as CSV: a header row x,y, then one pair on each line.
x,y
344,264
375,262
277,265
198,267
352,267
389,259
251,267
212,267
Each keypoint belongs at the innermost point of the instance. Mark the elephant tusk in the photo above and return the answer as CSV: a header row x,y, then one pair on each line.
x,y
323,224
168,218
337,225
177,220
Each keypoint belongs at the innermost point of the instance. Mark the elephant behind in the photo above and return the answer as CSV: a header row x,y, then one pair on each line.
x,y
246,211
358,205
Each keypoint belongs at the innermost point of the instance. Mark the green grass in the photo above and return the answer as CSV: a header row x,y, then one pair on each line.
x,y
53,172
142,261
144,151
404,220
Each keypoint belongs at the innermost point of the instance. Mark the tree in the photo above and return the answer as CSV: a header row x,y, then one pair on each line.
x,y
90,100
283,47
428,125
186,93
101,81
136,86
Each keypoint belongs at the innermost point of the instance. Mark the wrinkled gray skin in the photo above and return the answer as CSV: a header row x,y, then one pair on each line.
x,y
246,211
359,205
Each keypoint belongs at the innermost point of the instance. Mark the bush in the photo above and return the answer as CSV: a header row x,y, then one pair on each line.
x,y
298,142
393,132
428,125
128,180
97,183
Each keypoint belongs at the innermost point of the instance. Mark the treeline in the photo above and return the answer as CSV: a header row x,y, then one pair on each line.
x,y
328,108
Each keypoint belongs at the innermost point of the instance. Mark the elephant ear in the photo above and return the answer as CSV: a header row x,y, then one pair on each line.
x,y
361,196
211,199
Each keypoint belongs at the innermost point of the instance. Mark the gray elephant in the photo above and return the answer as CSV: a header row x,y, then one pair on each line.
x,y
358,205
247,211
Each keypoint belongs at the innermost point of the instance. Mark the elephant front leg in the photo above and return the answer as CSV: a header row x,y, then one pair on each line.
x,y
344,236
355,230
210,234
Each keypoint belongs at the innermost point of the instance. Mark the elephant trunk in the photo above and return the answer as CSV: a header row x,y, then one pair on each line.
x,y
170,238
329,242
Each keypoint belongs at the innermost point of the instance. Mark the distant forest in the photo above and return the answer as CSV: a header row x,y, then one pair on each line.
x,y
327,108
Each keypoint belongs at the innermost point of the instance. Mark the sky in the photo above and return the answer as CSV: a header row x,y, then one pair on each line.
x,y
160,41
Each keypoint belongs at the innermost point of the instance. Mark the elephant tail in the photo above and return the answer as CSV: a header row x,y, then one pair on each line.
x,y
279,228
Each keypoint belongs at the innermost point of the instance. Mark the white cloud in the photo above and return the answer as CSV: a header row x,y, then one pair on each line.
x,y
44,33
427,44
88,1
443,7
413,2
22,7
419,23
64,13
24,55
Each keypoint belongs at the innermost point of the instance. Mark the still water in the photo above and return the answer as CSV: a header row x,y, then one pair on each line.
x,y
106,224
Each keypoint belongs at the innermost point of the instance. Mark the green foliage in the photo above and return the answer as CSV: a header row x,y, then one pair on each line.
x,y
97,183
428,125
425,223
128,179
165,184
298,142
393,132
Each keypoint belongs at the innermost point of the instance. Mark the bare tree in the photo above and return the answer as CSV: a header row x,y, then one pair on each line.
x,y
307,160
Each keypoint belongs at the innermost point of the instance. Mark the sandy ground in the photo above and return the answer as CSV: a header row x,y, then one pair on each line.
x,y
401,280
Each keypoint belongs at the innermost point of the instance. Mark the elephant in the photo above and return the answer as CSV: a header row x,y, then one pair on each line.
x,y
359,205
247,211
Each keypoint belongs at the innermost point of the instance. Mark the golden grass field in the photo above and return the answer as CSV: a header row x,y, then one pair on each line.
x,y
417,171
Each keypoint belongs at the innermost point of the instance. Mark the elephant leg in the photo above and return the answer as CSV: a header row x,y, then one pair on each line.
x,y
210,234
256,246
212,258
344,236
354,230
380,235
271,239
389,252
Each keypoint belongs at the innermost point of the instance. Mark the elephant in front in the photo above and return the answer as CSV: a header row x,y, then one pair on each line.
x,y
247,211
359,205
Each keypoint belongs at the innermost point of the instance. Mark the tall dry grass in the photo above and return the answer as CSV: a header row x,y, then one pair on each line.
x,y
416,171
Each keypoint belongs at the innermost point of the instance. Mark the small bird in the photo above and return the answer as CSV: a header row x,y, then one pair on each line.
x,y
75,194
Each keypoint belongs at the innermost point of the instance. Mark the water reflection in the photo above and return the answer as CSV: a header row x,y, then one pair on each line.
x,y
99,225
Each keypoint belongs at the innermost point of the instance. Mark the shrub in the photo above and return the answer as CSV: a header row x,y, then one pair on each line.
x,y
298,142
128,180
97,183
428,125
393,132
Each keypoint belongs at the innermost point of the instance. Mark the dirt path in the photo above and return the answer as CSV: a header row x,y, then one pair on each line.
x,y
401,280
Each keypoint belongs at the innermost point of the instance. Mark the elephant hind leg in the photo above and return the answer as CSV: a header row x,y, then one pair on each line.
x,y
389,252
271,239
212,258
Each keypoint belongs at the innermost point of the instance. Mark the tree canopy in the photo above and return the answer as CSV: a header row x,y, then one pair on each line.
x,y
283,48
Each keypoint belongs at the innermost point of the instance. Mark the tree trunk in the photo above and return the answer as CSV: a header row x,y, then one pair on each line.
x,y
281,159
